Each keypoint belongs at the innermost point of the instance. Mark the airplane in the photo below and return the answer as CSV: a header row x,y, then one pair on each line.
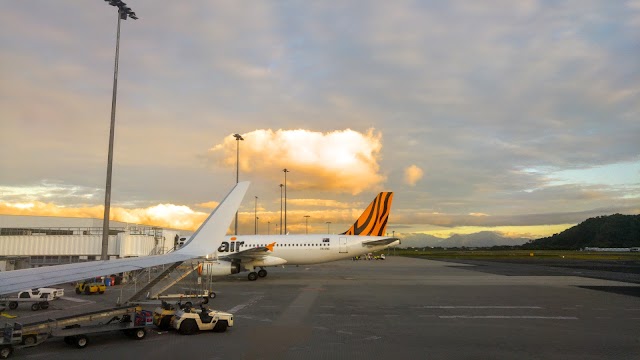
x,y
214,227
248,252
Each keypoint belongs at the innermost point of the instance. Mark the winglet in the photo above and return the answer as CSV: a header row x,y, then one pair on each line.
x,y
270,246
213,230
373,221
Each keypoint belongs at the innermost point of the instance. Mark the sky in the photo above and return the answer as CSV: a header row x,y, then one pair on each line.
x,y
518,117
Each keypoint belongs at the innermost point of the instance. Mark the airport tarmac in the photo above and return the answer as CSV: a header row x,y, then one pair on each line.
x,y
399,308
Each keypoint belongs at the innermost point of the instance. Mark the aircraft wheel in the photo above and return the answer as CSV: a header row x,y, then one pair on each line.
x,y
44,305
35,306
253,276
81,341
13,305
262,273
5,351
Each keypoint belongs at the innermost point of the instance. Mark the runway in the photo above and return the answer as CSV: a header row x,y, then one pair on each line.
x,y
399,308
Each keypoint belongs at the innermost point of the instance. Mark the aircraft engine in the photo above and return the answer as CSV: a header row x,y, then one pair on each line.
x,y
218,268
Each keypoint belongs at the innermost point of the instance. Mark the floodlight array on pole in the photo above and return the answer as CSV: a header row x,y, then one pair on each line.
x,y
238,138
306,224
281,185
328,227
285,199
124,12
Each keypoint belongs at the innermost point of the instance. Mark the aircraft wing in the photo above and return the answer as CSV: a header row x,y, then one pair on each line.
x,y
200,243
385,241
253,253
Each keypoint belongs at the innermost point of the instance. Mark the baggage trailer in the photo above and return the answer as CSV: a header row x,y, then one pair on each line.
x,y
131,320
36,304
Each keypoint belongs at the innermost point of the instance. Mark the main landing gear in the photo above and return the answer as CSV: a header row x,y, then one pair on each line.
x,y
253,276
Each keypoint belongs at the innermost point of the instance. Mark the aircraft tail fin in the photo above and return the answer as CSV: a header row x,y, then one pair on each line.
x,y
373,221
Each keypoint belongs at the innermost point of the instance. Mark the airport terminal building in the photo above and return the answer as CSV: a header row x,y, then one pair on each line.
x,y
33,241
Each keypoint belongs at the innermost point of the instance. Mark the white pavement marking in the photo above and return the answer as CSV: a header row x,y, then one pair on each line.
x,y
75,299
508,317
474,307
237,308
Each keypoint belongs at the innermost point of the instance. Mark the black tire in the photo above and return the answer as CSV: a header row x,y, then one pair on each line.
x,y
5,351
212,295
252,276
100,292
78,291
87,290
13,305
44,305
35,306
188,304
205,300
68,340
80,341
138,334
221,326
165,323
29,340
262,273
188,327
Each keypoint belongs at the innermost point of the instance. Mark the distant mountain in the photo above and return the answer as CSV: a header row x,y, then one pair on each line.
x,y
483,239
612,231
480,239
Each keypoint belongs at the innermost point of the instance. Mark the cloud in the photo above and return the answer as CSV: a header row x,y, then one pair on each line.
x,y
412,174
164,215
341,160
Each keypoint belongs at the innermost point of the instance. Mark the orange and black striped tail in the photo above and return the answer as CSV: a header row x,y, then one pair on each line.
x,y
373,222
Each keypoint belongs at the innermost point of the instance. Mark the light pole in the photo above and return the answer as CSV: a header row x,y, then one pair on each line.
x,y
281,208
285,199
255,213
268,227
123,13
328,227
238,138
306,224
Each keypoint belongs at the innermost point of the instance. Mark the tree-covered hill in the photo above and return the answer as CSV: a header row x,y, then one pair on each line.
x,y
611,231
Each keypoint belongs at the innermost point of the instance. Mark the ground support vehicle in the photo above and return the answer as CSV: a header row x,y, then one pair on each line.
x,y
48,294
163,314
38,298
189,320
131,320
89,288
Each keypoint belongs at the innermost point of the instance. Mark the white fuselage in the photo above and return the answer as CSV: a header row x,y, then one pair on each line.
x,y
304,249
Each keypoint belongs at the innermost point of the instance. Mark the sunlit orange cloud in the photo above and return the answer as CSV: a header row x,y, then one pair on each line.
x,y
163,215
412,174
209,205
342,160
320,202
